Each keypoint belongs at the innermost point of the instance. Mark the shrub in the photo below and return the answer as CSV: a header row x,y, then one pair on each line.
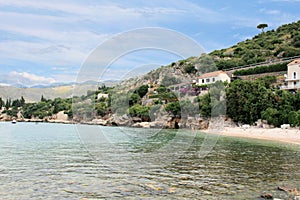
x,y
142,90
262,69
190,69
169,80
174,108
139,111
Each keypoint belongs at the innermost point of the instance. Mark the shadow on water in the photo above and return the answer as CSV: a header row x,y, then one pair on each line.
x,y
240,168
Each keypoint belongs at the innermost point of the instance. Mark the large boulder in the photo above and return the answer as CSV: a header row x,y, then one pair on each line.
x,y
203,124
142,125
61,116
117,120
100,122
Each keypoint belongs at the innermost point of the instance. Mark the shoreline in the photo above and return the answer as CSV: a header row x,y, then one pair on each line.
x,y
288,136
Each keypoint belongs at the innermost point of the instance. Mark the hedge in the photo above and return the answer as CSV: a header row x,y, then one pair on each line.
x,y
263,69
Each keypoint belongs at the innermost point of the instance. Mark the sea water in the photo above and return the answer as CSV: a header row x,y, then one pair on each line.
x,y
59,161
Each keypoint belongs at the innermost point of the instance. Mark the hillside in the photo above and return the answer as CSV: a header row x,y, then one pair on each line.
x,y
267,46
180,72
271,45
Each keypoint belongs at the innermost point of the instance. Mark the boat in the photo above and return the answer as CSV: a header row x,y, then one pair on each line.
x,y
14,121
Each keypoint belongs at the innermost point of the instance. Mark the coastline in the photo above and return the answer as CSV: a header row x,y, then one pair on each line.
x,y
290,136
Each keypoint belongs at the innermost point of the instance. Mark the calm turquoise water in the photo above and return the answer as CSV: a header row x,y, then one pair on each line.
x,y
55,161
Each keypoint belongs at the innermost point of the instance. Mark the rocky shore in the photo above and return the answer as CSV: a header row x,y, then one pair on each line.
x,y
227,128
124,120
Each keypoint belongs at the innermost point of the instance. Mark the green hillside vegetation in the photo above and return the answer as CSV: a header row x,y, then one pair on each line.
x,y
269,45
256,100
42,109
263,69
259,100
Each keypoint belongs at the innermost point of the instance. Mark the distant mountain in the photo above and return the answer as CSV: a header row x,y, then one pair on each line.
x,y
271,45
63,90
14,85
107,83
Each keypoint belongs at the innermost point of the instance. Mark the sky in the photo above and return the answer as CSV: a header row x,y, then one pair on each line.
x,y
45,42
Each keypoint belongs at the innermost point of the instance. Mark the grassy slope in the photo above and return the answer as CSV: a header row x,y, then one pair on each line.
x,y
270,45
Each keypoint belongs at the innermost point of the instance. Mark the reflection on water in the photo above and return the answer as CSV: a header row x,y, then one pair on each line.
x,y
50,161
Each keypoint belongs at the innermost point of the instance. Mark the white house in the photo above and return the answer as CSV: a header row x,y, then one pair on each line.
x,y
101,95
212,77
293,75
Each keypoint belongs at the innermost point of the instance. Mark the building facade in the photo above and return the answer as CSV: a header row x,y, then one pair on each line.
x,y
213,77
293,75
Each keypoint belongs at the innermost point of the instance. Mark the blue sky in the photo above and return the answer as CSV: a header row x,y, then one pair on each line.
x,y
43,42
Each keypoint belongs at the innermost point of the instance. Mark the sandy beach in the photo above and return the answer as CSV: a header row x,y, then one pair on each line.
x,y
291,135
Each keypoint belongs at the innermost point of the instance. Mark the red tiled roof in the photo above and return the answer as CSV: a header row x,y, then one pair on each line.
x,y
212,74
297,61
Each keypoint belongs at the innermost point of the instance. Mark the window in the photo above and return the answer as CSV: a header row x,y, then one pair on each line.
x,y
202,80
295,83
207,80
295,75
214,79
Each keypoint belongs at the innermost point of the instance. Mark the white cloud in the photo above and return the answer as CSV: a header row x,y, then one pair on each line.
x,y
270,12
68,37
32,77
60,34
25,78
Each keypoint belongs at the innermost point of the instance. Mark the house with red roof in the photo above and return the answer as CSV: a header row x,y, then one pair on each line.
x,y
212,77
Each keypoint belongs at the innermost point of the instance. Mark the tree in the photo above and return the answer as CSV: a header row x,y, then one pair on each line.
x,y
43,99
262,26
272,116
247,99
16,103
8,104
294,118
174,108
204,105
101,108
190,69
22,101
1,103
133,99
142,90
140,111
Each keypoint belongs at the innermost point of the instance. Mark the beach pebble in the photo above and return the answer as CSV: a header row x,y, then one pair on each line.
x,y
240,187
171,190
207,193
267,196
297,198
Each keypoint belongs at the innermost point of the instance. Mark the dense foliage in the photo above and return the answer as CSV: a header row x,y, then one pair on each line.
x,y
248,101
47,108
263,69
